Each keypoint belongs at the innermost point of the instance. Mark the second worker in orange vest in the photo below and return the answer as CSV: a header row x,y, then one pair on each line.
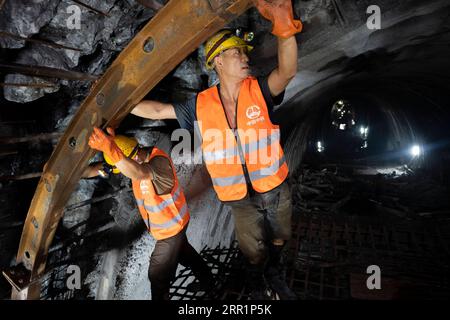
x,y
161,203
241,145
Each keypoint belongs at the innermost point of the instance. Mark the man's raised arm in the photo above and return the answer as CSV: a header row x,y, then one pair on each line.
x,y
281,14
154,110
105,143
280,77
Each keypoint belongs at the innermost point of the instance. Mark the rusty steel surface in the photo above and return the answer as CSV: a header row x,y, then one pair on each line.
x,y
177,30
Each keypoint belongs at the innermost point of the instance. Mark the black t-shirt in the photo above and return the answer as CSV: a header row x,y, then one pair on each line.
x,y
186,115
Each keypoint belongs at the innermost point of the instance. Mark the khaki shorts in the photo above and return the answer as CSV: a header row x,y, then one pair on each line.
x,y
260,218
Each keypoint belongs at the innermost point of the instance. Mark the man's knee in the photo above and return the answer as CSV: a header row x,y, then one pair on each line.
x,y
254,251
278,242
161,266
153,274
282,222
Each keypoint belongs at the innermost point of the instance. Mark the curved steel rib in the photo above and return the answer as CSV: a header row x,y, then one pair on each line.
x,y
177,30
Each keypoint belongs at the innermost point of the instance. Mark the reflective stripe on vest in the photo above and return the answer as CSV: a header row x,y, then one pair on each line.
x,y
251,147
259,138
164,215
228,181
268,171
164,204
175,220
255,175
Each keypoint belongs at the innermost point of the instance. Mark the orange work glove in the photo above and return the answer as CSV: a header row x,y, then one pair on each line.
x,y
281,14
105,143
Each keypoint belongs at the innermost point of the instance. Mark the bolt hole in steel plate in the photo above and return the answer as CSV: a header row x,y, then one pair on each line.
x,y
48,186
149,45
100,99
34,222
72,142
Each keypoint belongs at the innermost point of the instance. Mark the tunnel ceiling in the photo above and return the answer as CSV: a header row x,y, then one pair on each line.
x,y
338,53
399,73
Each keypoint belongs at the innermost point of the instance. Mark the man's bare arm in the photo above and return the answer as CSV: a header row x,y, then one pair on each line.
x,y
287,66
128,167
92,170
154,110
134,170
198,184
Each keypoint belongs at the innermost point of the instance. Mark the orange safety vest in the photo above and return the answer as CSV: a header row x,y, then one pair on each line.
x,y
254,145
164,215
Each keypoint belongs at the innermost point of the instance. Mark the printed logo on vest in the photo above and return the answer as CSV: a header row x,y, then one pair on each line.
x,y
253,112
145,189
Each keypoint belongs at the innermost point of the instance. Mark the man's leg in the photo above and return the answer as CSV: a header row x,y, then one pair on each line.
x,y
192,259
278,224
250,233
163,265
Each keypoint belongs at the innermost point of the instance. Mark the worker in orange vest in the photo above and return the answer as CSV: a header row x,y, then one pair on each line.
x,y
161,203
239,111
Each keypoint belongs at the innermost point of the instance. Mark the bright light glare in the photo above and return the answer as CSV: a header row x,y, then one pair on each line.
x,y
416,151
364,130
320,147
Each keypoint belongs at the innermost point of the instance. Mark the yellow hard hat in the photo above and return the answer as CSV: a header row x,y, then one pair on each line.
x,y
129,147
222,41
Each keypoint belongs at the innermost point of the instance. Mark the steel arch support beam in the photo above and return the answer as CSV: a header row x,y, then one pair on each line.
x,y
177,30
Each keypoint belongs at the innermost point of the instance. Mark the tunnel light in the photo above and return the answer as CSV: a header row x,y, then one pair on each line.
x,y
364,132
320,147
416,151
342,115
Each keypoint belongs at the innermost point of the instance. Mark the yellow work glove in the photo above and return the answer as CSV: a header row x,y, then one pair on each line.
x,y
281,14
105,143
